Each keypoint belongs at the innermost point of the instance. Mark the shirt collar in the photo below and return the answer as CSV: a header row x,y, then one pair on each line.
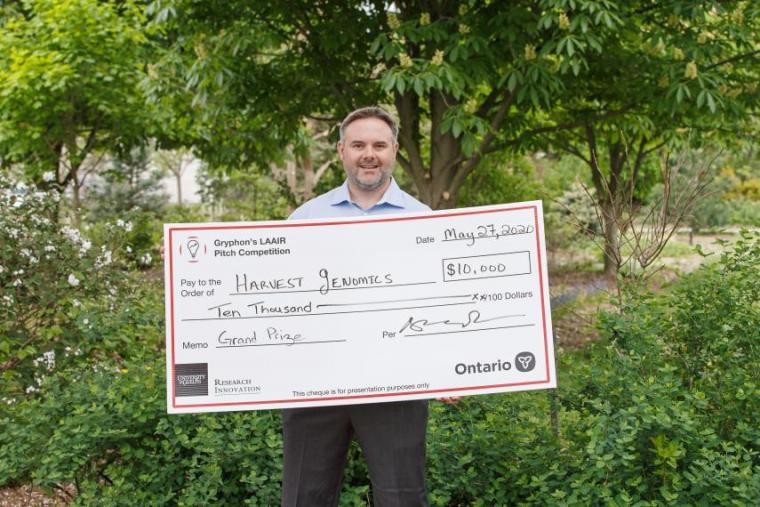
x,y
393,196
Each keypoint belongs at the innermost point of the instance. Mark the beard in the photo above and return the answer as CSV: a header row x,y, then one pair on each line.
x,y
369,185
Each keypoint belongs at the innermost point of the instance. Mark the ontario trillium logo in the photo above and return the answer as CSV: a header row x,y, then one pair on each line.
x,y
525,361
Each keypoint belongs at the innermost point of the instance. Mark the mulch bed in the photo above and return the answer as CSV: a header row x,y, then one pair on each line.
x,y
27,496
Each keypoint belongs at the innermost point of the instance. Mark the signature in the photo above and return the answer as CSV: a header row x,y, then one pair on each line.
x,y
473,317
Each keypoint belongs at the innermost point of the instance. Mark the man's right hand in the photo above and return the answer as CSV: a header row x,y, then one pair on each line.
x,y
450,400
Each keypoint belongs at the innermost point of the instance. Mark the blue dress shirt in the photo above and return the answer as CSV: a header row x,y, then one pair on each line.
x,y
337,203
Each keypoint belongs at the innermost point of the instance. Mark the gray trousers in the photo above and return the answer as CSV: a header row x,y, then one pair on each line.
x,y
391,435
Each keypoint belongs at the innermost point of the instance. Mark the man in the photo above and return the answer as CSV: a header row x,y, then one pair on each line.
x,y
392,435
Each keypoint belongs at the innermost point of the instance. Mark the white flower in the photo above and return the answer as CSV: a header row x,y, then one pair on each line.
x,y
128,226
120,222
49,248
146,259
73,280
17,282
71,233
76,303
86,245
48,176
103,260
129,250
1,268
86,321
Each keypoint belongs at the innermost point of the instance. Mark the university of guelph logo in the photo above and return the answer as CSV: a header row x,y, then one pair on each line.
x,y
191,379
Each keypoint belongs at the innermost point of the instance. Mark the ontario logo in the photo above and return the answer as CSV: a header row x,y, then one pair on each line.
x,y
525,361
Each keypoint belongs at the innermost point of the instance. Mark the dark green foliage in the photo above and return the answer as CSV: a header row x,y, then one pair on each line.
x,y
105,429
663,411
500,180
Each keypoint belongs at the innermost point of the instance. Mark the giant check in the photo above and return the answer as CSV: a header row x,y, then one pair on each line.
x,y
301,313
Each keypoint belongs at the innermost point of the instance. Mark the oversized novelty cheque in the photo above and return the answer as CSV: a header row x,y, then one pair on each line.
x,y
299,313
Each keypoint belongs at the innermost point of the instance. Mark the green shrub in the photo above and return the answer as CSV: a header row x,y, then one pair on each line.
x,y
497,182
49,274
662,411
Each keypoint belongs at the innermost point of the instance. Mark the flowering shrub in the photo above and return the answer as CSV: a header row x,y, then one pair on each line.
x,y
51,276
664,411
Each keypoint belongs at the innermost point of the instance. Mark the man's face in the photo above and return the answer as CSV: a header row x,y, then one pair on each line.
x,y
368,152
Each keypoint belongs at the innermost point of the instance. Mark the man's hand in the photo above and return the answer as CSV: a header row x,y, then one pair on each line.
x,y
450,400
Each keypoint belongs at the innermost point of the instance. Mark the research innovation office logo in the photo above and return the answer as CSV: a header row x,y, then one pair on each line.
x,y
191,379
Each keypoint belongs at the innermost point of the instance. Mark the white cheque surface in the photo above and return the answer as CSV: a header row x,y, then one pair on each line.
x,y
265,315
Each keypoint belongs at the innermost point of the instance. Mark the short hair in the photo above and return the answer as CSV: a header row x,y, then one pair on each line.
x,y
369,112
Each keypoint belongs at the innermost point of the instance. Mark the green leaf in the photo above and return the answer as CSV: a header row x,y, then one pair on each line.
x,y
419,86
512,81
456,127
389,81
701,98
711,103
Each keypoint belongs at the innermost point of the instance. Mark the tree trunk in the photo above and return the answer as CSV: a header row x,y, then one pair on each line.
x,y
178,176
76,199
434,181
308,178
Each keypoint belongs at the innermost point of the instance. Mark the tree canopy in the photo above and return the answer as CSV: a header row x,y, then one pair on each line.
x,y
69,83
466,78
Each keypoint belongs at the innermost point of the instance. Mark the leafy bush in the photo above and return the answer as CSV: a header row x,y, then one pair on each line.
x,y
105,429
745,212
49,275
665,410
496,182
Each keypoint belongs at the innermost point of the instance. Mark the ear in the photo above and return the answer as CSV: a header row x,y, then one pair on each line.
x,y
340,147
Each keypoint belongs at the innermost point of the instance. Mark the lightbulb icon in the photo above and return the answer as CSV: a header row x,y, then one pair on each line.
x,y
192,247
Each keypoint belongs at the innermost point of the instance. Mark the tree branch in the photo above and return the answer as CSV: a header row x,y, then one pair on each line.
x,y
733,59
495,125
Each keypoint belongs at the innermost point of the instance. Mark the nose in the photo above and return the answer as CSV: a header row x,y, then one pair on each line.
x,y
369,152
